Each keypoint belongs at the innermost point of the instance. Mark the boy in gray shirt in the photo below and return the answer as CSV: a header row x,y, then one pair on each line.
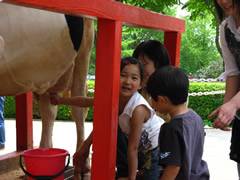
x,y
181,140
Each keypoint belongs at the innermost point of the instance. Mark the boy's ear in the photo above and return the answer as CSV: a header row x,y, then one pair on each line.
x,y
163,99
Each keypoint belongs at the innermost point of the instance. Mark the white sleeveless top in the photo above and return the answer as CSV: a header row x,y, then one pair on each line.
x,y
150,129
231,67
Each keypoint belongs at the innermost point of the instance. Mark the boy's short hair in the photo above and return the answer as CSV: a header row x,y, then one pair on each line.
x,y
171,82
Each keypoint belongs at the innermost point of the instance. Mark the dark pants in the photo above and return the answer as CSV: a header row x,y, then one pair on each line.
x,y
122,162
146,173
235,141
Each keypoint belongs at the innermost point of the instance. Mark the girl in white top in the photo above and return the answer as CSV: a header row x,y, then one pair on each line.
x,y
139,123
150,128
153,55
229,15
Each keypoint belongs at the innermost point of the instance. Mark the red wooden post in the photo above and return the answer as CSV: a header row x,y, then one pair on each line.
x,y
24,121
106,99
172,41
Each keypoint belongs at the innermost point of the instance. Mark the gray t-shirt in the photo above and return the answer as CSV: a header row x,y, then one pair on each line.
x,y
181,143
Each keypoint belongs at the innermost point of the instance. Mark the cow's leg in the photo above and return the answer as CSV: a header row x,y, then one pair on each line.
x,y
1,46
48,114
79,78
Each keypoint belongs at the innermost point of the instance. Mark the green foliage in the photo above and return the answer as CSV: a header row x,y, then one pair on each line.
x,y
204,105
9,107
213,70
206,86
131,37
91,84
198,49
154,5
201,9
64,112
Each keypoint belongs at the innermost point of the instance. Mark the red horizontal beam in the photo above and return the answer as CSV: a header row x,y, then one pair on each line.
x,y
113,10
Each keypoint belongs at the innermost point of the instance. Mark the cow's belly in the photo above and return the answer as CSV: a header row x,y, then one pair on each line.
x,y
38,49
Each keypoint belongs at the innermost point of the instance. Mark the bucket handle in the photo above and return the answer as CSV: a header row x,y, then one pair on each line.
x,y
44,177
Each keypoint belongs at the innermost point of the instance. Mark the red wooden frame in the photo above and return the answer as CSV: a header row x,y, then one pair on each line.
x,y
110,16
24,129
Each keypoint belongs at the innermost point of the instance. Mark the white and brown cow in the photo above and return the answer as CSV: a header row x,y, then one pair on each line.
x,y
40,53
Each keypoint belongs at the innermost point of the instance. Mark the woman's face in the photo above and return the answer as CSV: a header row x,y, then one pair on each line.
x,y
149,68
226,6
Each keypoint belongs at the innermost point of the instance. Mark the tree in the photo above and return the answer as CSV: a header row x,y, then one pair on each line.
x,y
201,9
198,48
198,44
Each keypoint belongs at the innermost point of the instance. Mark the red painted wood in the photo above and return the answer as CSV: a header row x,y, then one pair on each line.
x,y
109,10
24,121
172,41
106,99
10,155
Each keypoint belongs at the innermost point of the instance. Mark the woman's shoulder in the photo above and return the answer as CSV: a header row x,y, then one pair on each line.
x,y
223,24
230,23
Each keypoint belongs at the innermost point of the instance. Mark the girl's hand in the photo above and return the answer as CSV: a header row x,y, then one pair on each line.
x,y
55,99
80,159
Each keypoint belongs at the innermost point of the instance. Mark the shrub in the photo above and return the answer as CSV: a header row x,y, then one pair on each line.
x,y
205,104
9,107
206,86
213,70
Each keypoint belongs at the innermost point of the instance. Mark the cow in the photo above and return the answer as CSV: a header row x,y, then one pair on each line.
x,y
42,52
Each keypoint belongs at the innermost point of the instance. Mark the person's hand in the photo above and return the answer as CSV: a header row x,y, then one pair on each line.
x,y
223,115
80,159
55,99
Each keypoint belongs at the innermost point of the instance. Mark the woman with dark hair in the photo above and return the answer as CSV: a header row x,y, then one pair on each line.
x,y
228,12
153,55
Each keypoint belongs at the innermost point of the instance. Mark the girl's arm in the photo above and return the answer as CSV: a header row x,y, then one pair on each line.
x,y
140,114
80,157
170,172
80,101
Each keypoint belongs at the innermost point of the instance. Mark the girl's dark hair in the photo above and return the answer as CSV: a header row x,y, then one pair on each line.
x,y
220,12
171,82
236,3
131,60
154,50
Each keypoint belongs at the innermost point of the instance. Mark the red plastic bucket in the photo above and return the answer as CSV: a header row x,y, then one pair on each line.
x,y
45,163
